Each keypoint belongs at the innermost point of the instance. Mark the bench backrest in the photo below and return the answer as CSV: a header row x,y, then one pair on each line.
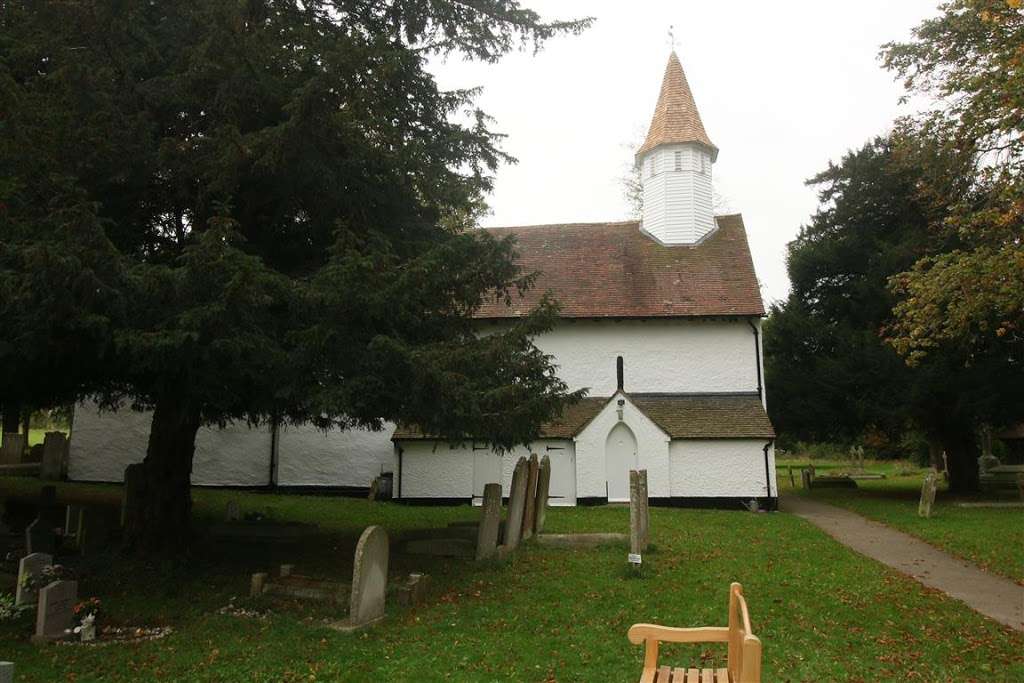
x,y
744,647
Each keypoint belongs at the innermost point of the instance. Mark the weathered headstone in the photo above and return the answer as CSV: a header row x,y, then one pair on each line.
x,y
30,565
55,451
516,506
55,610
635,512
928,487
530,511
374,490
543,490
133,491
415,590
369,577
645,512
40,537
35,454
490,522
6,672
806,478
12,449
231,512
256,584
792,481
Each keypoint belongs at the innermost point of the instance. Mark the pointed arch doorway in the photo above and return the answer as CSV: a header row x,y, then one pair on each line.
x,y
620,458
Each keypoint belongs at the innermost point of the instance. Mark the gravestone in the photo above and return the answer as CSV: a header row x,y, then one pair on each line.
x,y
490,522
374,491
6,672
530,511
369,578
55,451
414,591
928,487
645,511
806,478
516,506
40,537
231,512
635,512
256,584
55,610
30,565
35,454
12,449
543,490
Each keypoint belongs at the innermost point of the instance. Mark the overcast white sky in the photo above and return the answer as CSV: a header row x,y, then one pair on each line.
x,y
782,87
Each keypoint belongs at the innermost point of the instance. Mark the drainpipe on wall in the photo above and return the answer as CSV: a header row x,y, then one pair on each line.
x,y
767,471
399,487
757,358
274,442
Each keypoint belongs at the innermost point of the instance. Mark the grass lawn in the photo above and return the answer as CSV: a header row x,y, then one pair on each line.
x,y
992,538
823,612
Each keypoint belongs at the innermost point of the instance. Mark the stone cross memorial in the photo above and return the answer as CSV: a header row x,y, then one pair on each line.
x,y
369,578
543,489
55,451
530,511
924,507
516,506
490,522
30,565
55,610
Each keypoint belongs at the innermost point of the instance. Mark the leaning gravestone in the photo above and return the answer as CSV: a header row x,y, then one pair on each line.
x,y
543,489
30,565
924,507
55,450
530,511
490,522
369,578
55,610
516,506
12,448
40,538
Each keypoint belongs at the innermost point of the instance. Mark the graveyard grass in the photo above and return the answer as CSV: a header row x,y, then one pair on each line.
x,y
823,612
992,538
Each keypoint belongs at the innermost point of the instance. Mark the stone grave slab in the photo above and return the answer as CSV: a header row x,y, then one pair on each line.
x,y
490,522
543,491
55,452
30,564
55,610
516,506
530,509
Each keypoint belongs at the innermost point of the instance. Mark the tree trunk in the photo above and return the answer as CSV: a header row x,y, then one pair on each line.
x,y
158,518
962,454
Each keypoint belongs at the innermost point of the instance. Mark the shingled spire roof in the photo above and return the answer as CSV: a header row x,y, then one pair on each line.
x,y
676,118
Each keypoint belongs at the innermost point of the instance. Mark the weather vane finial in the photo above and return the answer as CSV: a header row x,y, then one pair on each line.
x,y
671,38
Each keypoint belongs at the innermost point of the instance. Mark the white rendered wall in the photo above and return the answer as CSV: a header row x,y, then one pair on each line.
x,y
308,456
652,451
721,468
659,356
432,469
104,444
678,207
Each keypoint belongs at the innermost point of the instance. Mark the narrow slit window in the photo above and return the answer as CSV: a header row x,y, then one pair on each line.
x,y
679,160
619,372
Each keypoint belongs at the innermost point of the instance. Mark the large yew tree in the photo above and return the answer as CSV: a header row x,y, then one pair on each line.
x,y
258,210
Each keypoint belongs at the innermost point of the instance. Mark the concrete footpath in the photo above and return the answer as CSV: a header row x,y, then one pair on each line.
x,y
991,595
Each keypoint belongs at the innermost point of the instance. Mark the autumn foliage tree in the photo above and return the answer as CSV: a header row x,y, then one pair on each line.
x,y
259,211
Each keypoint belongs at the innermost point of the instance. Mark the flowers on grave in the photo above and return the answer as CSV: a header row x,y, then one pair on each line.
x,y
87,629
87,608
54,572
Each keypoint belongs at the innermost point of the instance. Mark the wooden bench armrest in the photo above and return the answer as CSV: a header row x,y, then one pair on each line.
x,y
638,633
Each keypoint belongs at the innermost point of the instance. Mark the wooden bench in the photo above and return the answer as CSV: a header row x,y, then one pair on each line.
x,y
744,659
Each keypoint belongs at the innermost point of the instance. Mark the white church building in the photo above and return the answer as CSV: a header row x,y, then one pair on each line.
x,y
660,322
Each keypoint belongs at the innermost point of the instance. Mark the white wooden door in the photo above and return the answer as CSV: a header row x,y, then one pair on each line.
x,y
486,470
563,476
620,458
